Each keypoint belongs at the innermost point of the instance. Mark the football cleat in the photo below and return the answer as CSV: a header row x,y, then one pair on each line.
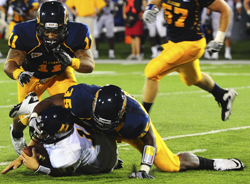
x,y
26,106
228,56
18,144
231,164
226,103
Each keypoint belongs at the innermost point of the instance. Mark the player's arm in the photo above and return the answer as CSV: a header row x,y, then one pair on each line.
x,y
225,13
13,63
32,163
246,6
148,156
55,100
16,163
86,62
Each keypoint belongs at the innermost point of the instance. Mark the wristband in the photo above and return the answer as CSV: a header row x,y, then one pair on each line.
x,y
219,37
248,12
16,73
75,63
42,169
145,168
148,155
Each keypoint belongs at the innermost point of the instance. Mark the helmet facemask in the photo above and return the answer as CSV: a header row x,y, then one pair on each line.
x,y
52,18
108,108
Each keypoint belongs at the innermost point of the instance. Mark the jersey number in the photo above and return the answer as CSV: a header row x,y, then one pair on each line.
x,y
169,16
43,68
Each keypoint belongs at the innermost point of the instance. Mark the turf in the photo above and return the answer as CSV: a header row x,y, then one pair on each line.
x,y
178,110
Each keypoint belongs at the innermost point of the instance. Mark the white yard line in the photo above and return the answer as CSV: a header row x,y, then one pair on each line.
x,y
197,134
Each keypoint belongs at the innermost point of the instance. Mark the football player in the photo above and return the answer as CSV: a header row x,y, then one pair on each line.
x,y
22,11
43,55
116,113
186,45
70,147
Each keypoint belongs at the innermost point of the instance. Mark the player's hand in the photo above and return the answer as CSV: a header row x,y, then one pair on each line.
x,y
141,175
213,46
33,121
150,14
30,162
13,165
62,56
24,77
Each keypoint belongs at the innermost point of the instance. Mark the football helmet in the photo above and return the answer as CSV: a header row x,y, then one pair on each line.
x,y
52,17
56,124
109,107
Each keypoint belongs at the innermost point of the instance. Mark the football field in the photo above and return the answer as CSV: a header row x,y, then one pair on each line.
x,y
187,118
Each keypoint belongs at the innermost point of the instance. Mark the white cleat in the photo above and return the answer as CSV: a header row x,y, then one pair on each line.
x,y
228,164
18,144
26,106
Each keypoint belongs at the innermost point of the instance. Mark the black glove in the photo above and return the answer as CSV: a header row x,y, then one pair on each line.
x,y
119,164
62,56
24,77
141,175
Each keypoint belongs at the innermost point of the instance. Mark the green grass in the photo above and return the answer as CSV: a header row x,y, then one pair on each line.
x,y
178,110
240,50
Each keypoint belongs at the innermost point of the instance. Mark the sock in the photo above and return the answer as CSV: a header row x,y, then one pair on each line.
x,y
218,92
16,134
206,163
147,106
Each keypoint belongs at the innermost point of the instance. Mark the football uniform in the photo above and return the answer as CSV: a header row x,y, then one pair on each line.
x,y
186,42
106,20
79,99
49,73
84,152
21,10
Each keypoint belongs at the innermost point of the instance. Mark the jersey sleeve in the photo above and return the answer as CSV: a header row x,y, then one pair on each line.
x,y
79,99
79,36
23,36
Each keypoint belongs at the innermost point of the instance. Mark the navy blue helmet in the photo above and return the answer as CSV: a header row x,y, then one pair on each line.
x,y
52,17
56,124
109,107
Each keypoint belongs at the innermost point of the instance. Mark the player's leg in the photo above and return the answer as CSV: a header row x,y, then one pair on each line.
x,y
109,25
20,122
191,75
172,56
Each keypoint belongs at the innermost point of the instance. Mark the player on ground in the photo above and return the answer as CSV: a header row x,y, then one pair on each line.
x,y
70,147
43,55
186,45
116,113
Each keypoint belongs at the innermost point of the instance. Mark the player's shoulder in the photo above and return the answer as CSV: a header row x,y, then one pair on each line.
x,y
78,32
23,36
84,87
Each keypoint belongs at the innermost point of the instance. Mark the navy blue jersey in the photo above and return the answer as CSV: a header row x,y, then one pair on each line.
x,y
184,19
79,99
38,58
